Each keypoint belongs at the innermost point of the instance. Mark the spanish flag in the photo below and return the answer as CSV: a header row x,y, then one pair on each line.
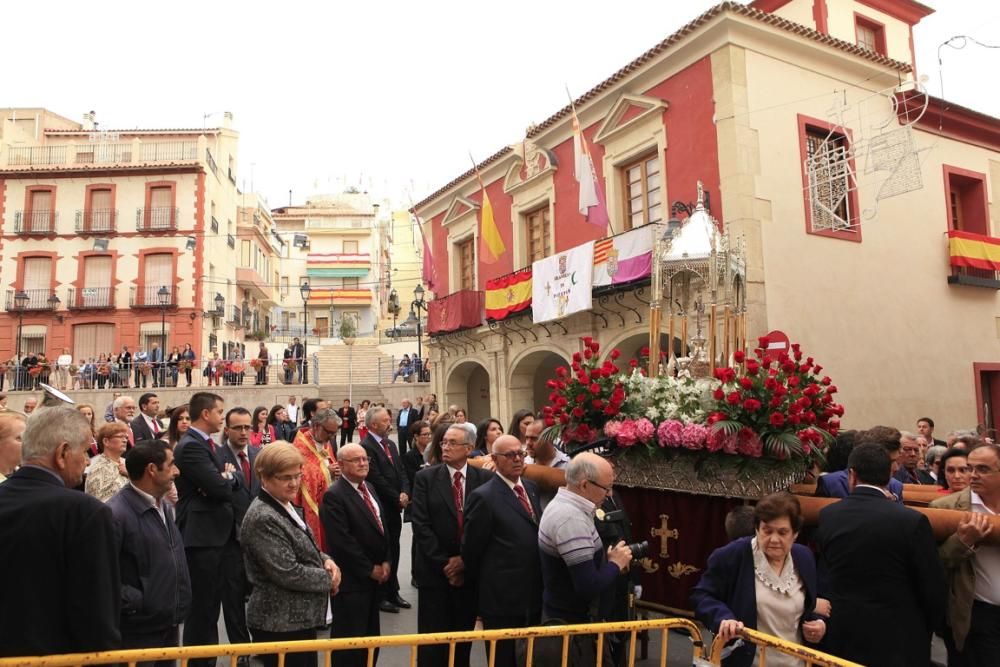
x,y
974,251
508,294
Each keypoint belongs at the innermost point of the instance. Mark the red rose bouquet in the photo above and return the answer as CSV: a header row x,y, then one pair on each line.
x,y
780,408
584,396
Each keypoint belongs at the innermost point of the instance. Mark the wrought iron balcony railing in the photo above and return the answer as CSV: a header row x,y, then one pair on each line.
x,y
148,296
90,298
96,220
157,219
32,299
35,222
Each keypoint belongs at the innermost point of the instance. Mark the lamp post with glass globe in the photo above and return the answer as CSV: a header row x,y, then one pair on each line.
x,y
304,362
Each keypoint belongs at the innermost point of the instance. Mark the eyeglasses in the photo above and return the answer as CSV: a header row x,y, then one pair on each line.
x,y
285,479
911,450
514,455
982,470
453,443
240,427
356,459
606,489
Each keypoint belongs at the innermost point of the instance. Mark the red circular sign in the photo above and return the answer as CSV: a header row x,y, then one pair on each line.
x,y
777,342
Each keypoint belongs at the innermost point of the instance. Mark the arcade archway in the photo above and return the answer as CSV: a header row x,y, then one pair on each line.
x,y
468,386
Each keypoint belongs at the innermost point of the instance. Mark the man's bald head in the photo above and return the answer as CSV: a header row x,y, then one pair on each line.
x,y
353,462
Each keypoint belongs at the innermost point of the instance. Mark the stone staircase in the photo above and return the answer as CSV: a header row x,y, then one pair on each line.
x,y
361,366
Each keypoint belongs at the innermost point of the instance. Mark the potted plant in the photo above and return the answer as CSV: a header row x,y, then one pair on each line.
x,y
348,329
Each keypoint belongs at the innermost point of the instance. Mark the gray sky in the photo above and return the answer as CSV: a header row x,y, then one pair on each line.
x,y
375,93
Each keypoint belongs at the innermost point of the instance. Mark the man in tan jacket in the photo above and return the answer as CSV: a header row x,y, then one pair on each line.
x,y
973,567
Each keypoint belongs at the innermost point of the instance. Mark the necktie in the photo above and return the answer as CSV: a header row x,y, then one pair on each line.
x,y
156,428
388,453
523,497
371,505
456,491
131,438
246,467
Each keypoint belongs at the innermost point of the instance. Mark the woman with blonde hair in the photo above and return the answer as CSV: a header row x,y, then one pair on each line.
x,y
291,579
11,427
107,473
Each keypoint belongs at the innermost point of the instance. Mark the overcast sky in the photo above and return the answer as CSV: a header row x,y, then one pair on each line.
x,y
377,94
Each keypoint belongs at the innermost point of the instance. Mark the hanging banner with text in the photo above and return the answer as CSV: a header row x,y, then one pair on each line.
x,y
561,284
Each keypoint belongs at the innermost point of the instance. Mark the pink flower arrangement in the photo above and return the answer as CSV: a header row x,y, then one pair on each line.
x,y
693,436
611,429
631,432
670,433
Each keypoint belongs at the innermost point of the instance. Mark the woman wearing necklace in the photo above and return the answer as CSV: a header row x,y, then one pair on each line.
x,y
107,474
765,582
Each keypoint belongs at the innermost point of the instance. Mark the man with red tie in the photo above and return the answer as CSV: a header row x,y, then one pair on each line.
x,y
205,517
446,601
387,474
355,523
500,546
146,426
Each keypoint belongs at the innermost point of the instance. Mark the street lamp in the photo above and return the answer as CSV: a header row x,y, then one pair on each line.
x,y
21,299
163,295
303,364
418,305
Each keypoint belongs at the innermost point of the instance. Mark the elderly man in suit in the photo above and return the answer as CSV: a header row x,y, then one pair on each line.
x,y
147,426
388,476
880,562
971,565
205,516
156,587
500,546
446,601
237,452
355,524
57,545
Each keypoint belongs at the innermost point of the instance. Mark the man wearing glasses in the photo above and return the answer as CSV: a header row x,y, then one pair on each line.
x,y
973,567
354,522
446,601
500,546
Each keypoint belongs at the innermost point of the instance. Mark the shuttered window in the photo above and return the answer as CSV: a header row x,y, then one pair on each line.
x,y
37,273
537,233
90,340
40,214
159,272
466,251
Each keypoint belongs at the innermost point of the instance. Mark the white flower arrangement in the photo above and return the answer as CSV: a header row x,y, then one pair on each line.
x,y
665,397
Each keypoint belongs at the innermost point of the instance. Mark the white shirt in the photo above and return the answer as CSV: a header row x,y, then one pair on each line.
x,y
64,361
465,476
293,413
154,426
378,512
986,563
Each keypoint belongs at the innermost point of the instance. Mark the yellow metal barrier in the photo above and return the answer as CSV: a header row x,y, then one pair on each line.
x,y
326,646
767,643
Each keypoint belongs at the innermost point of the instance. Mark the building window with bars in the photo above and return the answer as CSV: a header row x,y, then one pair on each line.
x,y
465,251
537,234
829,187
869,34
643,194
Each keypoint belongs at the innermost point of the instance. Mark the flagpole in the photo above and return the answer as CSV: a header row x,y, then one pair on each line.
x,y
583,141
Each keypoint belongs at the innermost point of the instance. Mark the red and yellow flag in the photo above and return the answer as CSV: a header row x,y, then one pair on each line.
x,y
508,294
974,251
491,245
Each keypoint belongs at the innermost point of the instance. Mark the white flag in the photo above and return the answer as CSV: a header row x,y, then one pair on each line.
x,y
584,170
561,283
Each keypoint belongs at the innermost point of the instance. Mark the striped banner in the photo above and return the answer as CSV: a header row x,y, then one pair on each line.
x,y
974,251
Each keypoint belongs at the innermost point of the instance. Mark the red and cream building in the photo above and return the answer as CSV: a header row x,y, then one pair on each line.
x,y
109,237
894,289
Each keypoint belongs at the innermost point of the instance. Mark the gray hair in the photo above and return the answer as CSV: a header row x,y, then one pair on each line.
x,y
579,469
58,424
461,427
906,435
933,453
470,430
325,415
120,402
371,414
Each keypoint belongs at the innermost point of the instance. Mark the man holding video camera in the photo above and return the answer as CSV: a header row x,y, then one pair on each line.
x,y
576,569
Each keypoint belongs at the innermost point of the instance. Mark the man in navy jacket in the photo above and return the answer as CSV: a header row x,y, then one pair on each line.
x,y
156,588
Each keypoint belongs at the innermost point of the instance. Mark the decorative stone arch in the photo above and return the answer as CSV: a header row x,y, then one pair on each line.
x,y
630,342
467,385
529,371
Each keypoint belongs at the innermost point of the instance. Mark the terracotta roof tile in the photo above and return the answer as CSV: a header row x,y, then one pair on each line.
x,y
658,49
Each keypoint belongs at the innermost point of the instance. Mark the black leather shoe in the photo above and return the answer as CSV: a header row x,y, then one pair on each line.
x,y
400,602
388,607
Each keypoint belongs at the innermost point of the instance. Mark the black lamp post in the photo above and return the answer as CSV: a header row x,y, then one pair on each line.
x,y
416,306
21,299
163,296
304,363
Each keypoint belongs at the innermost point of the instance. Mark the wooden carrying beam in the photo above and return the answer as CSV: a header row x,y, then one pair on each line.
x,y
545,477
919,495
944,523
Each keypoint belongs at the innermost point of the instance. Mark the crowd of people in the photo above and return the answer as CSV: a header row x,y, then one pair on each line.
x,y
286,521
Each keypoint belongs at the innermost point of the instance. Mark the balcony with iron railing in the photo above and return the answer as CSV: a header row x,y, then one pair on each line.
x,y
96,220
149,296
156,219
230,240
211,162
31,299
235,316
354,226
102,153
33,223
974,259
215,225
90,298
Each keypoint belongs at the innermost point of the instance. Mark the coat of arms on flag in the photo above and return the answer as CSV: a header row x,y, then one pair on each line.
x,y
562,283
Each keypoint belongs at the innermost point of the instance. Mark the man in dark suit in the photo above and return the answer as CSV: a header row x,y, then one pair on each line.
x,y
206,486
353,521
62,589
834,484
404,419
348,422
500,546
925,427
147,426
445,600
237,452
299,355
156,587
910,456
387,475
880,570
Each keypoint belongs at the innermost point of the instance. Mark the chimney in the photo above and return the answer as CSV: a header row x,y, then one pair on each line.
x,y
88,121
227,119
